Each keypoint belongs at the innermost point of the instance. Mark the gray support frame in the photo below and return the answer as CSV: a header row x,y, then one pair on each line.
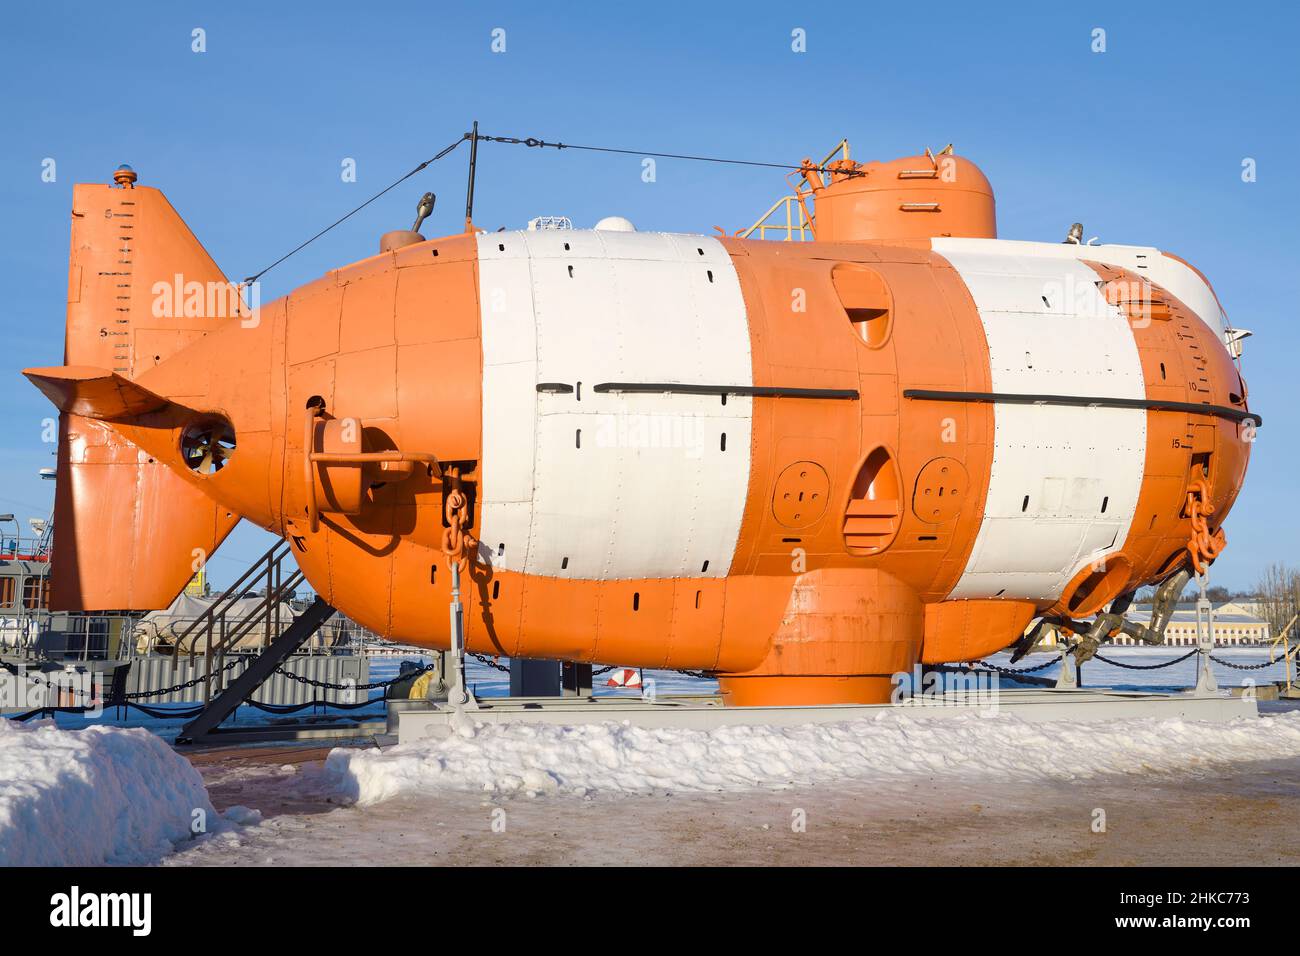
x,y
534,678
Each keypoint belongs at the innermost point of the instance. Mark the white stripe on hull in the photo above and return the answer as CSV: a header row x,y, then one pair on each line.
x,y
1064,481
605,486
1182,281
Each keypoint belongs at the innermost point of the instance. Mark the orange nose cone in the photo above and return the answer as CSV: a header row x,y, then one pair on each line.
x,y
917,197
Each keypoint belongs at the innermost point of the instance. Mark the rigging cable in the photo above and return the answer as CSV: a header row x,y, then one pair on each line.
x,y
475,137
433,159
539,143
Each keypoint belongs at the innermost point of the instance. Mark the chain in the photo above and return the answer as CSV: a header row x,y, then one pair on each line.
x,y
39,681
1243,667
490,662
145,695
458,544
1146,667
1203,546
35,678
1020,670
373,685
1121,664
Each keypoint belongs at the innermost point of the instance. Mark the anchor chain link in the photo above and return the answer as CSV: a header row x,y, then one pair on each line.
x,y
458,544
1203,546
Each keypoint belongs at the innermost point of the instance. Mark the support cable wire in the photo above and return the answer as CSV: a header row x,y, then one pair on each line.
x,y
540,143
475,137
433,159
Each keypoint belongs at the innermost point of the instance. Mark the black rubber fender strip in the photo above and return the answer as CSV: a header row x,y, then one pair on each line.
x,y
753,391
1084,401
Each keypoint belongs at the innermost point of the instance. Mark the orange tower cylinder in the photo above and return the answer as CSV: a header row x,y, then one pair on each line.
x,y
916,197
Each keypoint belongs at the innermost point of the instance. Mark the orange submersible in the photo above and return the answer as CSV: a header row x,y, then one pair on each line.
x,y
802,465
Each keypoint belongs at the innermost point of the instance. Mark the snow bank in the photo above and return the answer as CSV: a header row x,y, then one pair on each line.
x,y
539,758
93,796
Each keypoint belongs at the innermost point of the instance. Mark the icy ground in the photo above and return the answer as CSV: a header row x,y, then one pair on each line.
x,y
899,792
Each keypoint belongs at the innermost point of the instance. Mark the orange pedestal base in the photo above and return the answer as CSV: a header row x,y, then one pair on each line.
x,y
845,632
807,691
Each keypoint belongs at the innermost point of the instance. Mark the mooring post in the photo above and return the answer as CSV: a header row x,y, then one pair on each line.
x,y
1068,678
1206,686
457,695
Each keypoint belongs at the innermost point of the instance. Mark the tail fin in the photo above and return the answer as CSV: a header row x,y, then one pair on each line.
x,y
127,528
94,393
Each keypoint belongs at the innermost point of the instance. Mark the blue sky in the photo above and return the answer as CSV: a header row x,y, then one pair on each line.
x,y
1143,143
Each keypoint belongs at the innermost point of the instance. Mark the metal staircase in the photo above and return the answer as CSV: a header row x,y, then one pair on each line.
x,y
262,667
221,630
799,224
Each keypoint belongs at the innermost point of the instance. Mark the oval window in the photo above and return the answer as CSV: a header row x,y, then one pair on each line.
x,y
874,511
866,300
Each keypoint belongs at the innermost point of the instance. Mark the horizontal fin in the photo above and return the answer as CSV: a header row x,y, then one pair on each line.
x,y
94,392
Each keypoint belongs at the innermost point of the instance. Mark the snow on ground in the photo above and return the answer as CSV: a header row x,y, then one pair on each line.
x,y
532,759
102,794
94,796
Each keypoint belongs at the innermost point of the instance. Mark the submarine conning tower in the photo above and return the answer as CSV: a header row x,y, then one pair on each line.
x,y
916,197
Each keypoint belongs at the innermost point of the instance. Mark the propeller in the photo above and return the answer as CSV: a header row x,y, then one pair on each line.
x,y
207,446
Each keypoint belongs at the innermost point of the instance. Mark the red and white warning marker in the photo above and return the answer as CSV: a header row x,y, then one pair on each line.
x,y
624,677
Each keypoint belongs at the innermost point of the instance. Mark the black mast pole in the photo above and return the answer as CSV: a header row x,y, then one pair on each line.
x,y
469,189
